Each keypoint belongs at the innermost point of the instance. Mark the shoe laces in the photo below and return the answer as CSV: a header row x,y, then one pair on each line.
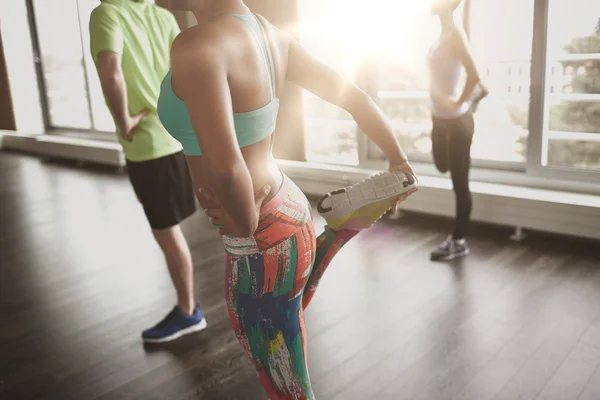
x,y
447,244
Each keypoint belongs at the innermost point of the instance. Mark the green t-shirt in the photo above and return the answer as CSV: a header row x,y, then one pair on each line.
x,y
142,33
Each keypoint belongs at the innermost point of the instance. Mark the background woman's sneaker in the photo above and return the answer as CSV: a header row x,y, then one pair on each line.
x,y
450,249
361,205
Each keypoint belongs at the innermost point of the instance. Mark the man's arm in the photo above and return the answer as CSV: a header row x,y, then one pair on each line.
x,y
115,92
106,46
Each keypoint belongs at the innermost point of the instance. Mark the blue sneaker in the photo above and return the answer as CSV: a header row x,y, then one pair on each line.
x,y
174,325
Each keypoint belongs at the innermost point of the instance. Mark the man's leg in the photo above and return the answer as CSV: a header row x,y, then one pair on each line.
x,y
164,188
179,261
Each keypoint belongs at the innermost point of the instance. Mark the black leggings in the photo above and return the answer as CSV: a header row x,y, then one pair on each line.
x,y
451,143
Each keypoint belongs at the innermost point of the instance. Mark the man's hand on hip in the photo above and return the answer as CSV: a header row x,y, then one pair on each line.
x,y
128,130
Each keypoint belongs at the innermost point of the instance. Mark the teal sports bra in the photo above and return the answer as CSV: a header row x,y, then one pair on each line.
x,y
250,127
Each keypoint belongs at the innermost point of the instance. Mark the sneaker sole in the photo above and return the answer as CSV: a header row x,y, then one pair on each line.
x,y
192,329
451,256
378,187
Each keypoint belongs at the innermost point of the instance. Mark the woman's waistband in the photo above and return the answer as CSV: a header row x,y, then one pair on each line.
x,y
280,218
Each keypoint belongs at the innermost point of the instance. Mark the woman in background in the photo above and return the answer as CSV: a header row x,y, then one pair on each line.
x,y
452,107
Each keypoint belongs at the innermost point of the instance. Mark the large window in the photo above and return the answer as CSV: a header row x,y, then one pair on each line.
x,y
331,134
383,45
501,41
540,60
100,114
72,89
572,90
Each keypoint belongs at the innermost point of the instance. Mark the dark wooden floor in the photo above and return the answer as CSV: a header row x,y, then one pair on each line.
x,y
80,277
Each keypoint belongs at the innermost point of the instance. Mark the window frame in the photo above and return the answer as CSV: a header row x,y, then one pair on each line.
x,y
537,144
39,66
50,128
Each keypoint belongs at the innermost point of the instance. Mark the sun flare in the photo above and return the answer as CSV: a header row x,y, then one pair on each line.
x,y
350,30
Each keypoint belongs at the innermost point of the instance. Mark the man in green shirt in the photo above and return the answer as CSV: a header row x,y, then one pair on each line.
x,y
130,45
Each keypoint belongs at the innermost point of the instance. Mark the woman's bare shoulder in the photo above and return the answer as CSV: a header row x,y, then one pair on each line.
x,y
198,43
282,36
198,36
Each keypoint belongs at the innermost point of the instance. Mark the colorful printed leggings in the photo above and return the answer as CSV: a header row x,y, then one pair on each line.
x,y
270,280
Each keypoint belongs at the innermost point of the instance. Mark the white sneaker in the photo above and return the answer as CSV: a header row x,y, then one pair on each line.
x,y
359,206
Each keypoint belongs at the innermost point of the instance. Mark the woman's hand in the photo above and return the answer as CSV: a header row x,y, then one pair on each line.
x,y
452,103
221,219
449,102
405,167
455,104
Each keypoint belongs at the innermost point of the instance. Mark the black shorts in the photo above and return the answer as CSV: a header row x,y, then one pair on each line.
x,y
164,187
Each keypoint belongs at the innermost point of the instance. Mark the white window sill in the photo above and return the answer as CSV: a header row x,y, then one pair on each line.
x,y
340,175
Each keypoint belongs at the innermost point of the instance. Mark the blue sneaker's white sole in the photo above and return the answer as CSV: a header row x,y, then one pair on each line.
x,y
192,329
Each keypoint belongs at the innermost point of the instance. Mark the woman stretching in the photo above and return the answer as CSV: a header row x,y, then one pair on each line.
x,y
220,100
452,108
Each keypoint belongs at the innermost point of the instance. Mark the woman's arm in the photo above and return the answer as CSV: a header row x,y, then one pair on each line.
x,y
201,81
467,19
316,77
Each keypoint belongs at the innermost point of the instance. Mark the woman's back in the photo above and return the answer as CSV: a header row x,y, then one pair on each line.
x,y
447,74
251,126
253,55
